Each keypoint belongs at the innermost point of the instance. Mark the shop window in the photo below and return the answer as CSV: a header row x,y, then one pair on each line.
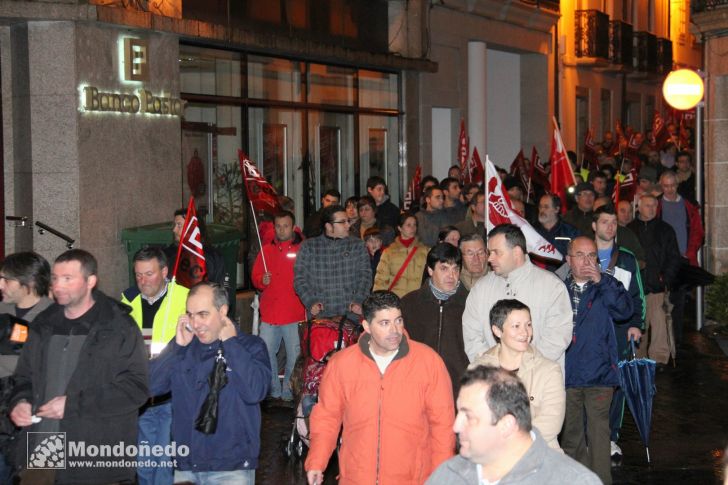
x,y
331,85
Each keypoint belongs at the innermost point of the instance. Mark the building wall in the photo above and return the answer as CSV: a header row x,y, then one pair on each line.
x,y
88,175
528,76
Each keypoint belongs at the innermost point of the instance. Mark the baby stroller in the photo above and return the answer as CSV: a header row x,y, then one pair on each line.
x,y
320,338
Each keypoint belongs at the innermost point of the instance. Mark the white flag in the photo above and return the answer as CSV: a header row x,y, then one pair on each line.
x,y
501,212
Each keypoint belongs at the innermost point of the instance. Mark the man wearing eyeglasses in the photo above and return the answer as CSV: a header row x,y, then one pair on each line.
x,y
475,260
597,301
333,274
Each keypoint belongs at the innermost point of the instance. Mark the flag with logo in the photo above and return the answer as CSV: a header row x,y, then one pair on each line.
x,y
413,189
625,186
190,267
476,172
500,212
591,152
562,176
463,151
660,136
261,193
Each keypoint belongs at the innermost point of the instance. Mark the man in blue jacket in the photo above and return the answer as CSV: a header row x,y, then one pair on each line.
x,y
597,300
230,453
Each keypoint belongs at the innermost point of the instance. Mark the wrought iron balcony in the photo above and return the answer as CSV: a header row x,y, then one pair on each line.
x,y
664,56
545,4
645,52
697,6
620,43
591,34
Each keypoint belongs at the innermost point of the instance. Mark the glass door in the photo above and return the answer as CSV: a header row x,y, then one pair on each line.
x,y
331,142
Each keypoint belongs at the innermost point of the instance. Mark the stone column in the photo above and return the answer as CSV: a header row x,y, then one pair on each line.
x,y
477,103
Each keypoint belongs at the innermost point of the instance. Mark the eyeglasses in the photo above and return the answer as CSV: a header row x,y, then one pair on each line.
x,y
471,254
582,256
345,221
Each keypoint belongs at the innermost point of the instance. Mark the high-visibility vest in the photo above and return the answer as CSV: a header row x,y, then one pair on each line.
x,y
164,327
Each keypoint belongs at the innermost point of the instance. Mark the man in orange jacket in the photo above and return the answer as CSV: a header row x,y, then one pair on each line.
x,y
393,397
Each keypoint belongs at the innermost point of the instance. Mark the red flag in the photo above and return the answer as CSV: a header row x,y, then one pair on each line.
x,y
260,192
541,169
660,136
190,254
519,170
626,187
475,168
562,176
501,212
463,151
590,150
413,190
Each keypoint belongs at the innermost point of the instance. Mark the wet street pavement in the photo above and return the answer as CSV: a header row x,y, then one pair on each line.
x,y
689,427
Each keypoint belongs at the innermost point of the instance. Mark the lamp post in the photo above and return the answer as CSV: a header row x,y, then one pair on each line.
x,y
683,89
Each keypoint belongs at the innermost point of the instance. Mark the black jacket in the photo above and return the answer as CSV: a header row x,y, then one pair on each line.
x,y
388,214
663,258
439,325
104,393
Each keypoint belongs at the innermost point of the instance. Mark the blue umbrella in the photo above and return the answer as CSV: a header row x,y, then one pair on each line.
x,y
637,378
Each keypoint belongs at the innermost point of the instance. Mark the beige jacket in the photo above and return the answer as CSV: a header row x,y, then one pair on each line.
x,y
545,386
392,259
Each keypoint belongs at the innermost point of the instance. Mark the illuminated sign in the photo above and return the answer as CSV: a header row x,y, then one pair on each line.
x,y
136,59
140,102
134,64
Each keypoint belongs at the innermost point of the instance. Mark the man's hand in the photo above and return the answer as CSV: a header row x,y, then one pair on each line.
x,y
22,414
316,308
53,409
315,477
228,329
593,272
184,331
634,333
355,308
266,278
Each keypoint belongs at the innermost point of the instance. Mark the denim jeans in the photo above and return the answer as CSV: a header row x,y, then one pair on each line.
x,y
155,428
233,477
272,336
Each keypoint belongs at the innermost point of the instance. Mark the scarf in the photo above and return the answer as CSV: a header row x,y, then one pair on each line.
x,y
442,295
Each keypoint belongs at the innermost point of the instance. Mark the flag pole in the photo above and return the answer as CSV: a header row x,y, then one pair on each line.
x,y
257,232
184,229
487,199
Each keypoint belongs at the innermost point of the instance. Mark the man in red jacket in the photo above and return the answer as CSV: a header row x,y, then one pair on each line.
x,y
280,307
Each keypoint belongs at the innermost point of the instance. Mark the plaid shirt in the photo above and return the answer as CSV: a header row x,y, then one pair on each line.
x,y
335,272
576,292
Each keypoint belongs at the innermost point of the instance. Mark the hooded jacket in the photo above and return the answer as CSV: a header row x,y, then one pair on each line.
x,y
279,303
105,391
397,425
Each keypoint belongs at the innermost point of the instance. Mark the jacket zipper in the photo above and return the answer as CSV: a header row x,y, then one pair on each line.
x,y
379,425
439,328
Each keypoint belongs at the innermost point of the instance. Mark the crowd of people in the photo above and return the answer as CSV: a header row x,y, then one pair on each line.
x,y
477,362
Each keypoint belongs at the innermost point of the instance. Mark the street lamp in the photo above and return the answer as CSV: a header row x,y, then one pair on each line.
x,y
683,89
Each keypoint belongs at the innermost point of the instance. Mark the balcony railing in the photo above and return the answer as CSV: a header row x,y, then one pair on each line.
x,y
620,43
591,34
645,52
697,6
544,4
